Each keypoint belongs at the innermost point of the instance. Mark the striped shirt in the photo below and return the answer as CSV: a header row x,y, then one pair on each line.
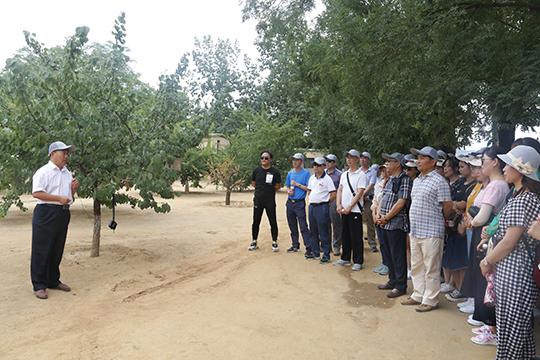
x,y
335,176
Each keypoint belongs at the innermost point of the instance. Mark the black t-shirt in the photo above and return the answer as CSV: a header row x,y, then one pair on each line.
x,y
462,191
265,181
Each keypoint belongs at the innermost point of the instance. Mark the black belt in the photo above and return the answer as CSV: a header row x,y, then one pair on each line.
x,y
298,200
65,207
319,204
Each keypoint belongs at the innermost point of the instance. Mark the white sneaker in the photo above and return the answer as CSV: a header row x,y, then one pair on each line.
x,y
487,338
474,322
275,248
342,263
445,288
469,302
481,330
253,246
467,309
357,267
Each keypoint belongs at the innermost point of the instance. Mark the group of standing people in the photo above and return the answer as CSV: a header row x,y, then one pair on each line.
x,y
472,218
336,201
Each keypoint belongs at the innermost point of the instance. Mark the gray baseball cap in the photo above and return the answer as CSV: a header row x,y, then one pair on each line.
x,y
399,157
442,154
352,152
297,156
58,145
426,151
366,154
319,161
331,157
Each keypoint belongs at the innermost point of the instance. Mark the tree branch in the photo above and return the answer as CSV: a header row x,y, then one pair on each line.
x,y
470,5
35,120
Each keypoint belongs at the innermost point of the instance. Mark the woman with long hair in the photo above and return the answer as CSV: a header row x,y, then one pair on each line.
x,y
513,256
488,204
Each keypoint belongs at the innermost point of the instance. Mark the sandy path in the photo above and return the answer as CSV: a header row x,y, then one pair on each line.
x,y
184,286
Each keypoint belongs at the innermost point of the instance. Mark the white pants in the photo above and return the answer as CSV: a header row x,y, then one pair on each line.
x,y
426,257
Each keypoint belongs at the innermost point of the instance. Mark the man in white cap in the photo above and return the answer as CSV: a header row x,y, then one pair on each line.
x,y
335,218
431,203
349,199
322,193
371,175
53,187
297,181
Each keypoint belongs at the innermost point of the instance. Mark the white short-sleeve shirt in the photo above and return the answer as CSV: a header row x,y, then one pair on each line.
x,y
320,188
358,180
52,180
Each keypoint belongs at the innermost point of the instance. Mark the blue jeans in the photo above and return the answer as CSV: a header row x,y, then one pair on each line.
x,y
319,222
296,214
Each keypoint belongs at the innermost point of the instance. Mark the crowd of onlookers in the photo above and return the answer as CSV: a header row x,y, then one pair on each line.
x,y
471,220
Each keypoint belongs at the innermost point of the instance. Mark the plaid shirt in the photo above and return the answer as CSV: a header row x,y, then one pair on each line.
x,y
395,189
426,211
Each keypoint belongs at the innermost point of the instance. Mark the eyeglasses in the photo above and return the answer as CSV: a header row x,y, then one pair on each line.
x,y
264,158
392,160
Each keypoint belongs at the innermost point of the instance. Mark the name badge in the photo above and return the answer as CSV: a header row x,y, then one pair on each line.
x,y
269,178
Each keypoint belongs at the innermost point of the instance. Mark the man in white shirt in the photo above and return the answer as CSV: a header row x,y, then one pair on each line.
x,y
349,204
322,192
53,187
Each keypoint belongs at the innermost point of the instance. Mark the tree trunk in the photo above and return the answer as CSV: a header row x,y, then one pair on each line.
x,y
97,229
186,186
506,135
228,196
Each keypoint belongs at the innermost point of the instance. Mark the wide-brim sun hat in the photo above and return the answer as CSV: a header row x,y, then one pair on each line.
x,y
524,159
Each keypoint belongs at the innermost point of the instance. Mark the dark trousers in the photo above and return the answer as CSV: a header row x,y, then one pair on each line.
x,y
394,243
319,223
296,215
352,238
259,205
379,236
49,230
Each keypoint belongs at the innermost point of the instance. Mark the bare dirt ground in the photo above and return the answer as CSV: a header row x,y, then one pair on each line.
x,y
184,286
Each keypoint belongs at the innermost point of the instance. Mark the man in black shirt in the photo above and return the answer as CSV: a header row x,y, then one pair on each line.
x,y
266,180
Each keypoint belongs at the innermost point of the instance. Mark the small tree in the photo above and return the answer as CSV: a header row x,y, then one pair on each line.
x,y
126,133
227,173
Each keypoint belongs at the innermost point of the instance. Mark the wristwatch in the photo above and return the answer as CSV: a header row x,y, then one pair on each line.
x,y
486,262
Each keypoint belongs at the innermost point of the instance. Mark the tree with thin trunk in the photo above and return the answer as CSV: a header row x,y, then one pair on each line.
x,y
126,132
226,173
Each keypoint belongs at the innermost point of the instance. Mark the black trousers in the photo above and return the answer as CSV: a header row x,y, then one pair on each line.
x,y
394,243
352,238
259,205
49,230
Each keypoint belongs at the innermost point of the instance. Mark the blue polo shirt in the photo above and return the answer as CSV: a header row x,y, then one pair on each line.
x,y
301,177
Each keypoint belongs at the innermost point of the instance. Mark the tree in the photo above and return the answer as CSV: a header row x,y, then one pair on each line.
x,y
126,133
227,173
215,79
194,167
409,72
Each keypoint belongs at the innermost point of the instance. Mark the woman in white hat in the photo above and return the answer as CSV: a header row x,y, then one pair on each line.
x,y
513,259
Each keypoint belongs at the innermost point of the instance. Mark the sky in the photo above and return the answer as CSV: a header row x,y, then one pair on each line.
x,y
159,32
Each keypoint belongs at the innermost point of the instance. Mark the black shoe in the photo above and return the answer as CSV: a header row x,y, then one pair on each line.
x,y
374,249
308,251
310,256
293,249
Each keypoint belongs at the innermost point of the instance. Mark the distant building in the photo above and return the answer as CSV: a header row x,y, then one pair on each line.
x,y
216,141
